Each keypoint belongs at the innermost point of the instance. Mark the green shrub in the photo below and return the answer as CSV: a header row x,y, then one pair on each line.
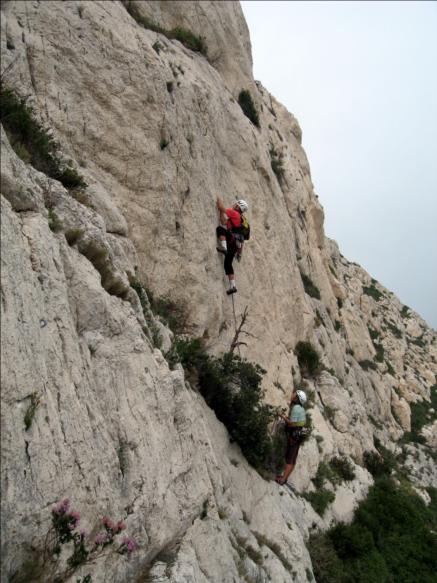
x,y
394,329
342,468
327,566
381,462
308,358
421,416
337,325
418,341
390,369
95,252
189,40
379,357
374,334
246,103
163,143
73,235
367,364
310,288
31,141
231,386
320,499
405,311
390,539
373,292
55,223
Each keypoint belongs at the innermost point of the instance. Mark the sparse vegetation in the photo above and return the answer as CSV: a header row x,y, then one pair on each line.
x,y
374,334
418,341
373,292
405,312
157,47
390,369
31,410
231,386
163,143
421,415
394,329
79,549
379,357
152,330
82,196
310,288
32,142
275,548
276,161
55,223
246,103
320,499
342,469
170,312
308,358
390,539
73,235
367,365
190,40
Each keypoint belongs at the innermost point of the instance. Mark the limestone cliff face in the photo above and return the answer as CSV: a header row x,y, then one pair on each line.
x,y
157,133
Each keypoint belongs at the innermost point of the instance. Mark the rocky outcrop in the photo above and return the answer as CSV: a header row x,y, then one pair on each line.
x,y
157,133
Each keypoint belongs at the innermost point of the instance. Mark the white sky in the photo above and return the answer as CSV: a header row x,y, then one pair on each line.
x,y
361,78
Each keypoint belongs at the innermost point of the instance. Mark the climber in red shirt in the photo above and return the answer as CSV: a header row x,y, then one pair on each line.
x,y
229,245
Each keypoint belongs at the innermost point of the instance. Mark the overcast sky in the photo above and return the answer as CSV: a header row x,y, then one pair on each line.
x,y
361,78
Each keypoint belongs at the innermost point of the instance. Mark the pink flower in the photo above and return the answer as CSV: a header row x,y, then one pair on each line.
x,y
101,538
130,545
108,523
61,507
119,526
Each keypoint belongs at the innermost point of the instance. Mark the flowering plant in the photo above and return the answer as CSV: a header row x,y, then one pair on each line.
x,y
85,549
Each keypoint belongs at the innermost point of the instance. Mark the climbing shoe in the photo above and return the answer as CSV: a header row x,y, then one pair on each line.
x,y
221,250
233,290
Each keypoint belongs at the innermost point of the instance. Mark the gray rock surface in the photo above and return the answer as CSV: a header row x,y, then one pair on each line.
x,y
157,133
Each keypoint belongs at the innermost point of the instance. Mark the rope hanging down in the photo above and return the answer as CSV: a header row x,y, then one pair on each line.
x,y
234,342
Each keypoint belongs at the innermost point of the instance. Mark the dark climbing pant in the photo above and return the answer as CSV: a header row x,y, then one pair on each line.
x,y
292,450
232,248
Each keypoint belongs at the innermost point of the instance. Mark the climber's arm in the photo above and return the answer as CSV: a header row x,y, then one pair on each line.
x,y
222,209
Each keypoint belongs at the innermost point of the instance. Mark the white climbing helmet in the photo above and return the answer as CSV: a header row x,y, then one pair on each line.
x,y
302,397
243,205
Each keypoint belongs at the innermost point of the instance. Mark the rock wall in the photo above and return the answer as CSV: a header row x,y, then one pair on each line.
x,y
157,133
